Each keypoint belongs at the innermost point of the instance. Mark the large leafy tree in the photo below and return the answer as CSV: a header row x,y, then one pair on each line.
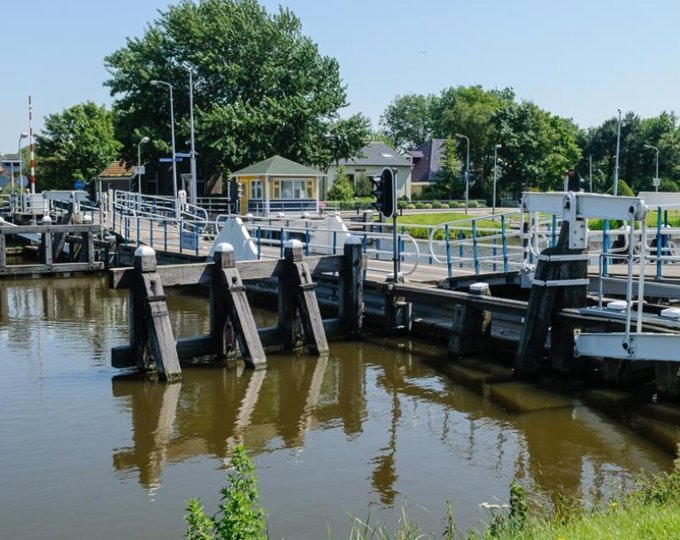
x,y
260,88
407,121
537,148
76,143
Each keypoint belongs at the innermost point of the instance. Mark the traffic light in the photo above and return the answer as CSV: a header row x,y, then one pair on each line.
x,y
383,191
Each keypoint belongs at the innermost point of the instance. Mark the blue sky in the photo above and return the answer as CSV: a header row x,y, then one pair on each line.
x,y
579,59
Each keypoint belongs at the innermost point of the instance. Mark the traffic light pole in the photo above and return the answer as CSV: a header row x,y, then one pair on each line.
x,y
395,237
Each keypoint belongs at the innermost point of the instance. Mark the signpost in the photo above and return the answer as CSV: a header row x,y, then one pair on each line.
x,y
79,184
169,160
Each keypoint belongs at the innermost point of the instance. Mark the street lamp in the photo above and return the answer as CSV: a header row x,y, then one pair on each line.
x,y
495,163
24,135
656,178
144,140
192,191
467,170
172,134
616,165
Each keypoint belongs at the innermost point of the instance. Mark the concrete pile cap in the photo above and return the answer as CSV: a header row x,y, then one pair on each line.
x,y
479,287
87,218
292,244
145,251
617,305
353,240
281,214
224,247
46,220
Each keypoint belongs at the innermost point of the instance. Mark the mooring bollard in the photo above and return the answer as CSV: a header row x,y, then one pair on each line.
x,y
230,309
352,280
299,313
150,330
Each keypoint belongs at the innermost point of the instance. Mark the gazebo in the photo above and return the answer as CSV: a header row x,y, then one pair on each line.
x,y
278,184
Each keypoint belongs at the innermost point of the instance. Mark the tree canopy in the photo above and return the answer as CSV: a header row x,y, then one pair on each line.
x,y
260,87
77,143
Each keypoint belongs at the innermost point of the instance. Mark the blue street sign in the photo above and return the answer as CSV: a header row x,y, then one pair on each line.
x,y
79,184
169,159
182,155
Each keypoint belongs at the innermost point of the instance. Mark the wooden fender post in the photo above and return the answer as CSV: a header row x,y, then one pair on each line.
x,y
46,243
298,307
151,332
471,326
231,317
352,279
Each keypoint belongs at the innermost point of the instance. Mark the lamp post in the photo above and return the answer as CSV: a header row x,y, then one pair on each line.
x,y
616,164
24,135
192,191
172,134
495,164
656,178
467,170
144,140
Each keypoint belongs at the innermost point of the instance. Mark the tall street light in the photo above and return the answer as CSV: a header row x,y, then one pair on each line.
x,y
656,178
467,170
24,135
139,165
172,134
616,165
495,164
192,190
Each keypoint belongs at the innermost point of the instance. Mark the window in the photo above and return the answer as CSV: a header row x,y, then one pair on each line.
x,y
293,189
256,189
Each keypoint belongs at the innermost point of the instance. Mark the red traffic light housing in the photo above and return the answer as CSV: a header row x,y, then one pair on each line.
x,y
384,193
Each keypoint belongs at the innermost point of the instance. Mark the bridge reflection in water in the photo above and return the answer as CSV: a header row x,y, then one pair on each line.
x,y
374,424
398,417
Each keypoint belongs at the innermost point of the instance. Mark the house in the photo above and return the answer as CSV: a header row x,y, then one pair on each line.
x,y
118,175
427,162
278,184
371,160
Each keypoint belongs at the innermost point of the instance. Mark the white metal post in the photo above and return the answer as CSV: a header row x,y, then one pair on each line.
x,y
192,192
616,165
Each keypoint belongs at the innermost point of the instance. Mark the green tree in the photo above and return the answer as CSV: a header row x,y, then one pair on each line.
x,y
77,143
448,181
469,110
537,148
261,87
342,189
407,121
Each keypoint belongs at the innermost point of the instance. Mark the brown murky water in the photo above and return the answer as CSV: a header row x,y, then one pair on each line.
x,y
84,452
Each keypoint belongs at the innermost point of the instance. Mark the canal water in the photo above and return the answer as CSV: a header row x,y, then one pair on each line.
x,y
374,427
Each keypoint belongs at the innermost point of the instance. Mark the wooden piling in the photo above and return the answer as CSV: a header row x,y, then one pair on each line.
x,y
397,308
352,280
150,329
471,325
560,281
231,319
299,314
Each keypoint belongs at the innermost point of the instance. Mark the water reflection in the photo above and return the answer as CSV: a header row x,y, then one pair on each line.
x,y
560,446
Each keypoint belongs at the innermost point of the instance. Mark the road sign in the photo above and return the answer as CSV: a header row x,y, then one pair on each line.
x,y
656,182
141,169
182,155
169,159
79,184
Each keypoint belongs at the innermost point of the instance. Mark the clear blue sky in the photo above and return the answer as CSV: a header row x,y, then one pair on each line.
x,y
579,59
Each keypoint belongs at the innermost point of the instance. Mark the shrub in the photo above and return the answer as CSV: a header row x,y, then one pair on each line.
x,y
436,204
473,204
411,206
402,204
445,205
342,189
419,206
427,206
362,186
623,190
239,516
